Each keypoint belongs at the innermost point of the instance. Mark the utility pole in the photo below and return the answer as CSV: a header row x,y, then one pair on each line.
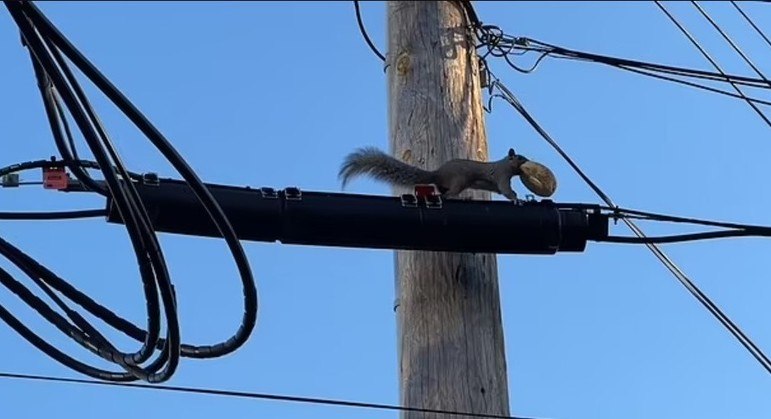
x,y
450,336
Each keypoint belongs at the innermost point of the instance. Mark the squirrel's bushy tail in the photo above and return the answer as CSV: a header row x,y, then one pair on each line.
x,y
379,165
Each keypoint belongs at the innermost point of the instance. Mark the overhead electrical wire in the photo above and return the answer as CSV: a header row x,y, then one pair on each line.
x,y
696,85
363,30
259,396
53,163
501,45
752,23
730,41
48,48
494,42
493,34
53,215
58,84
680,238
649,242
712,61
498,45
737,229
466,5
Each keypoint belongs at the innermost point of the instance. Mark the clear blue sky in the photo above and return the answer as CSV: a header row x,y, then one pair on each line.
x,y
275,94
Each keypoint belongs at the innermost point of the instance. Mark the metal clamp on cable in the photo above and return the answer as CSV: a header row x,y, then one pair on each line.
x,y
293,193
409,201
151,179
268,192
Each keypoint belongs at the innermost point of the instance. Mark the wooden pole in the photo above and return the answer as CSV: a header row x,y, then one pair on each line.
x,y
450,337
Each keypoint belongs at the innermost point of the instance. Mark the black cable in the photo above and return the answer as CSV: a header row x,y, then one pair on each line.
x,y
471,14
149,242
730,41
40,164
53,215
617,212
44,42
748,344
646,215
55,319
692,84
466,5
127,204
752,23
153,271
59,128
514,102
251,395
679,238
711,60
364,33
500,44
526,70
63,119
201,191
667,69
156,138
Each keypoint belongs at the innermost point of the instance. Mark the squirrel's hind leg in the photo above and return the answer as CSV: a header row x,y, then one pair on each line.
x,y
453,189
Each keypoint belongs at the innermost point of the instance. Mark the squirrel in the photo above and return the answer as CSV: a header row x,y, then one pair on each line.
x,y
451,178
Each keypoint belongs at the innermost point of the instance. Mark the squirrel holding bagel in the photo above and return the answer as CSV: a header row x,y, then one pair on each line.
x,y
454,176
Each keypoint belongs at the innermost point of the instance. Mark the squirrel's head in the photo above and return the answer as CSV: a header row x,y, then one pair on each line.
x,y
516,160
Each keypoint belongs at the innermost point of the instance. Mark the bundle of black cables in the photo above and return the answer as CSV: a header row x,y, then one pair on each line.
x,y
158,357
494,42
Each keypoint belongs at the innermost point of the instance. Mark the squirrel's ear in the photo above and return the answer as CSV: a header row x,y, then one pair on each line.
x,y
512,153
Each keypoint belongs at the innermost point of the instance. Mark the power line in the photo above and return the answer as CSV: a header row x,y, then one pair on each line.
x,y
364,33
53,215
646,215
660,255
466,5
678,238
752,23
499,44
251,395
738,229
711,60
695,85
730,41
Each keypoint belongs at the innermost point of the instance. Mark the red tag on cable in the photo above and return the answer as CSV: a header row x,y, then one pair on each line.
x,y
422,191
55,178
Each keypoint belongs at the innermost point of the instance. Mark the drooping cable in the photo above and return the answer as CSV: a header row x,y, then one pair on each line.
x,y
363,30
197,186
151,264
46,46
